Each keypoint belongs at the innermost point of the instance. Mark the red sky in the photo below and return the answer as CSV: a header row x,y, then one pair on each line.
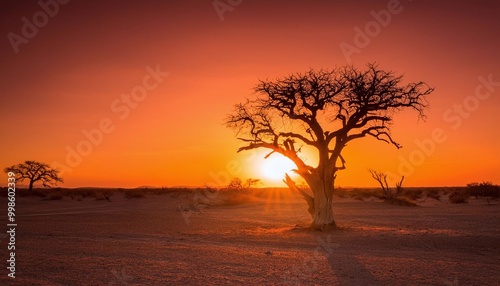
x,y
65,78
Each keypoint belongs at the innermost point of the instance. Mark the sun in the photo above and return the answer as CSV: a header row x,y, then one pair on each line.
x,y
276,166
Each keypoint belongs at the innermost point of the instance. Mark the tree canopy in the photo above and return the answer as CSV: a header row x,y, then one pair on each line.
x,y
35,171
324,109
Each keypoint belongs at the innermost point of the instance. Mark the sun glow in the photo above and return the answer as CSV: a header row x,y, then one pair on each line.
x,y
276,166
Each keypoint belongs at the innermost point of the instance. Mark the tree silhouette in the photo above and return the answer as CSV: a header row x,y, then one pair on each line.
x,y
324,110
34,172
389,194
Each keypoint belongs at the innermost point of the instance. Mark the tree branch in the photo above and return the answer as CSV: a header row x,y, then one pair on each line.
x,y
309,199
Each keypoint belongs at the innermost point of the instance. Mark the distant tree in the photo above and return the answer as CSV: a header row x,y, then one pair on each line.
x,y
484,189
389,194
250,183
324,110
35,172
237,183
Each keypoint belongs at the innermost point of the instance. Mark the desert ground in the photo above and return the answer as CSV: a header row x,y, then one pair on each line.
x,y
197,238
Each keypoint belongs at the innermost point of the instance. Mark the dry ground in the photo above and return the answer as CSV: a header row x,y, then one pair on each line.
x,y
168,240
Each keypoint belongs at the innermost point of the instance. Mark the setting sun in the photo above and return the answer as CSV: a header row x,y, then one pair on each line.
x,y
276,166
238,142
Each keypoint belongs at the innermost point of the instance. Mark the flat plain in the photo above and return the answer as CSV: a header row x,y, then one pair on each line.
x,y
176,239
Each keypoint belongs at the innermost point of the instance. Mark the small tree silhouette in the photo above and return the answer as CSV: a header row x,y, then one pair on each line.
x,y
250,183
484,189
389,194
237,184
35,171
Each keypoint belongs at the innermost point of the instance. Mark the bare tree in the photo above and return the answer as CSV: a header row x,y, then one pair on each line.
x,y
34,172
237,184
250,183
324,110
389,194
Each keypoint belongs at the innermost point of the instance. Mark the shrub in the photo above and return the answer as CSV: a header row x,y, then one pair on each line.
x,y
484,189
238,184
363,193
104,195
459,197
401,201
413,194
55,197
391,195
434,194
134,194
81,193
235,184
340,192
34,193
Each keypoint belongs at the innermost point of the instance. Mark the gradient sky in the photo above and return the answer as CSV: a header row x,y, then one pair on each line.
x,y
65,78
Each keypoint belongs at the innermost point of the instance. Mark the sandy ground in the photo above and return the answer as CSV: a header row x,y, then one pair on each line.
x,y
151,241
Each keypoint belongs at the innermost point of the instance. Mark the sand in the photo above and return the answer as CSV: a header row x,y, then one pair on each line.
x,y
163,240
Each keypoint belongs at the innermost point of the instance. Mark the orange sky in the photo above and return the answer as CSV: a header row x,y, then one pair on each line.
x,y
72,73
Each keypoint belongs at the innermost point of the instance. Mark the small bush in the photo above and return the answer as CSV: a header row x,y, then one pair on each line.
x,y
401,201
55,197
81,193
459,197
364,193
434,194
340,192
413,194
390,194
104,195
34,193
134,194
484,189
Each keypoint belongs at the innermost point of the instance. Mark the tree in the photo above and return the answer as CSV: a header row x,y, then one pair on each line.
x,y
389,194
237,184
324,110
34,172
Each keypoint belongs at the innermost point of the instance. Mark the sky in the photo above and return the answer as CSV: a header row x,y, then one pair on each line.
x,y
68,71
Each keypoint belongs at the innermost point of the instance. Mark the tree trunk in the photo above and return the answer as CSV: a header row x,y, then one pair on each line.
x,y
30,189
320,204
323,208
